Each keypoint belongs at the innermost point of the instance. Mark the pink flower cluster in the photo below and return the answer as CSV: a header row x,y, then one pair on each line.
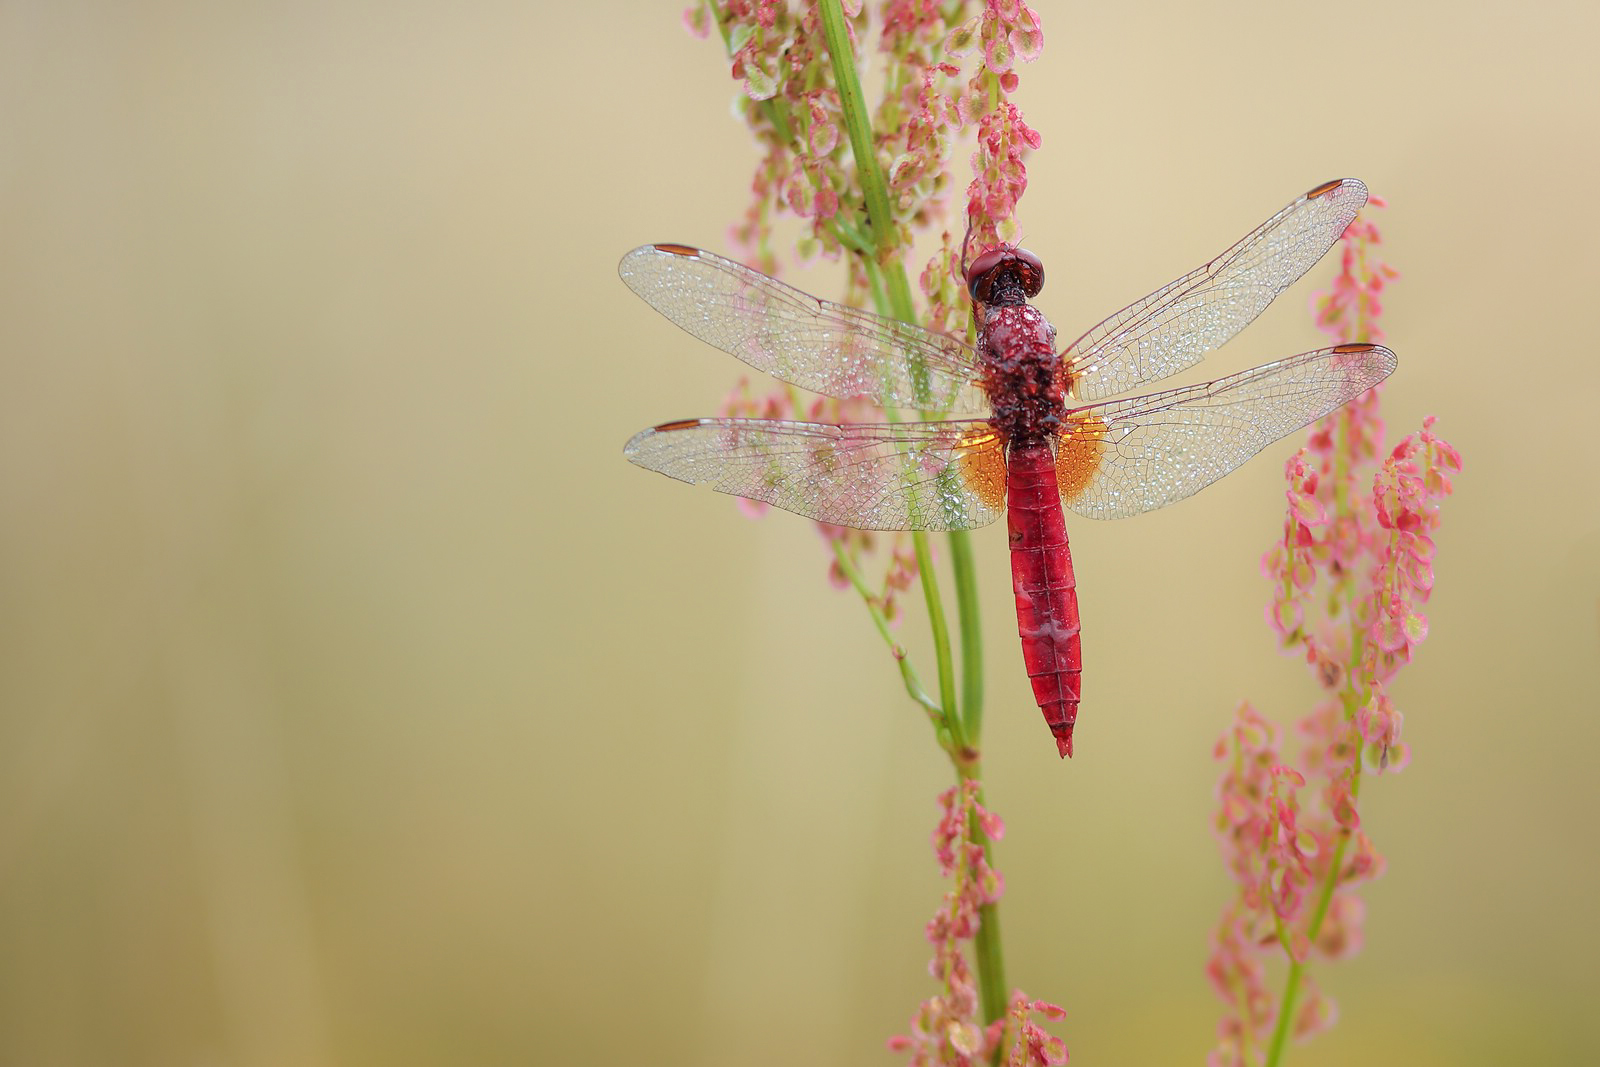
x,y
790,104
1031,1044
946,1030
1004,32
1405,492
1352,306
1359,545
1282,855
794,109
790,101
1354,563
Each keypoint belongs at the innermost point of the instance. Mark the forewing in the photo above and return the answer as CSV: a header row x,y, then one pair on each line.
x,y
816,344
1175,326
908,476
1133,456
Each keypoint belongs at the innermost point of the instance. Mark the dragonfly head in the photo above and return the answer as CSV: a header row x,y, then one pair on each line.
x,y
1005,275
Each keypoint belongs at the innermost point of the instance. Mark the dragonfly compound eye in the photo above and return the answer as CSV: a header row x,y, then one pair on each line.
x,y
1031,272
1017,263
980,276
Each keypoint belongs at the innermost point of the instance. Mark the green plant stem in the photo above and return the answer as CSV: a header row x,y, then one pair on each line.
x,y
940,630
963,568
875,193
874,189
964,733
908,673
1280,1031
1291,985
986,942
1352,700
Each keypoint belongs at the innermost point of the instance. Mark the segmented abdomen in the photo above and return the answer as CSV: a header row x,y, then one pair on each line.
x,y
1045,587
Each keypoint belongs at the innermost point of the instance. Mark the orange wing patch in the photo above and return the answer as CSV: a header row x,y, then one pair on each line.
x,y
983,466
1078,451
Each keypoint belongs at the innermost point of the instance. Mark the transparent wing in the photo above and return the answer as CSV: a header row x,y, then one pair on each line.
x,y
816,344
1175,326
1133,456
908,476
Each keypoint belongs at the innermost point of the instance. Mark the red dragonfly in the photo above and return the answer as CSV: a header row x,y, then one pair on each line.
x,y
1027,451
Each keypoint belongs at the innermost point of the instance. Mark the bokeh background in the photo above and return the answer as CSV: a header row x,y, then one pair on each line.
x,y
361,705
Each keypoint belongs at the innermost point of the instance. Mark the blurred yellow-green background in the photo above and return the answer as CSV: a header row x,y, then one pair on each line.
x,y
362,706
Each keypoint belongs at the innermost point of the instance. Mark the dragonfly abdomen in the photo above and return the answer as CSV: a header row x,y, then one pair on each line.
x,y
1046,588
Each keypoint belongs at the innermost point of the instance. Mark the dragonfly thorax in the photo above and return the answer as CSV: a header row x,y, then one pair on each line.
x,y
1021,372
